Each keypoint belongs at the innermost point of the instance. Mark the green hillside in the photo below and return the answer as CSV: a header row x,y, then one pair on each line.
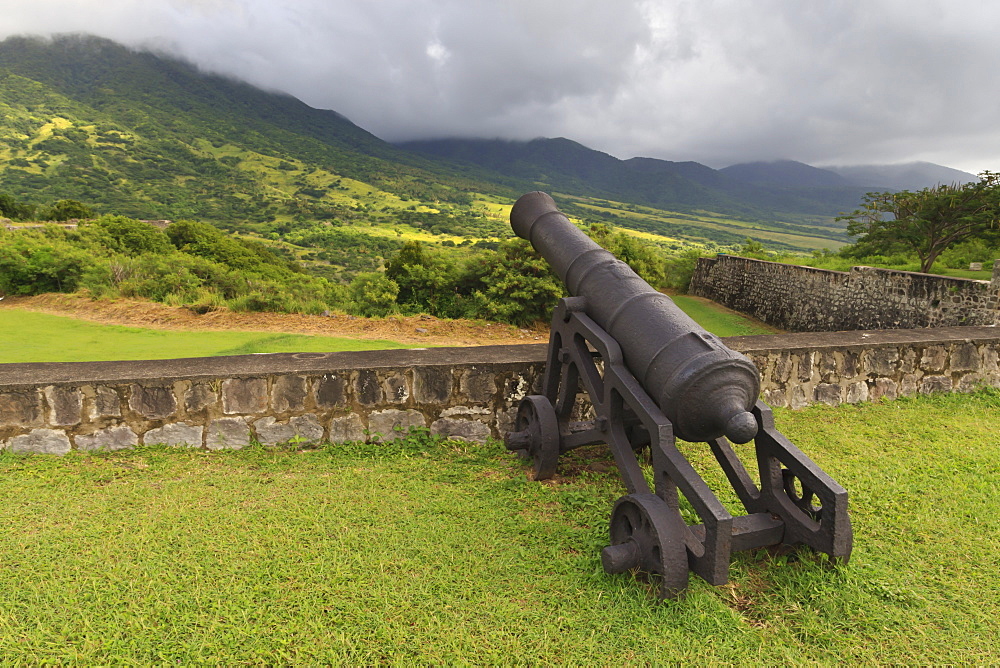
x,y
133,133
138,134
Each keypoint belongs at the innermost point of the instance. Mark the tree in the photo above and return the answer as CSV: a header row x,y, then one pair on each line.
x,y
428,281
517,285
68,209
926,222
11,208
644,259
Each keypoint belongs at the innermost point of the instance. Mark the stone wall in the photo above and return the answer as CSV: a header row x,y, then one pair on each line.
x,y
468,393
226,402
805,299
851,367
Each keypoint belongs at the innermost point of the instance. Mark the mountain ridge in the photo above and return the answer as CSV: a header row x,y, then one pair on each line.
x,y
129,131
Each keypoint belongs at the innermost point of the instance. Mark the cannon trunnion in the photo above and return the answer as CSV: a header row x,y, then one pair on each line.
x,y
653,374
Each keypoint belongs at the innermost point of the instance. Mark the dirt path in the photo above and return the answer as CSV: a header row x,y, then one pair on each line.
x,y
410,330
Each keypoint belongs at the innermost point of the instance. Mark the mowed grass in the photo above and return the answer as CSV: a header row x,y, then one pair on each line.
x,y
720,320
26,336
423,552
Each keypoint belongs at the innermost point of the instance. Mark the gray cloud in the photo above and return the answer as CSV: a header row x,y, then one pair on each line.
x,y
718,81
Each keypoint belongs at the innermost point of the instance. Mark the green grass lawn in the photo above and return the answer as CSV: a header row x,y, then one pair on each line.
x,y
718,320
27,336
423,552
39,337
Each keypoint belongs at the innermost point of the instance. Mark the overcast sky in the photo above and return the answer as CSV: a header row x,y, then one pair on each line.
x,y
717,81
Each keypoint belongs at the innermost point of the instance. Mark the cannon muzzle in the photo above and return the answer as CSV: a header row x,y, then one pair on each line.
x,y
703,387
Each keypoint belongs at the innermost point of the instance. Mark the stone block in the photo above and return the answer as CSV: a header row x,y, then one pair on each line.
x,y
346,429
934,359
391,424
806,362
432,384
908,361
883,388
505,420
882,362
330,391
783,367
107,403
850,365
478,386
175,433
930,384
760,361
971,382
799,399
120,437
907,385
776,398
21,409
856,392
244,395
396,388
991,359
200,396
480,413
827,366
828,393
153,402
367,388
288,393
227,433
65,406
304,427
965,357
462,430
41,442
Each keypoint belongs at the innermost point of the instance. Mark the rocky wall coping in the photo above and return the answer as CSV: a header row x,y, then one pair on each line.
x,y
817,270
901,272
234,366
861,339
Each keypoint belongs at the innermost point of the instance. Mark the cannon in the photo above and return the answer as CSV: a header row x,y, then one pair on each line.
x,y
653,375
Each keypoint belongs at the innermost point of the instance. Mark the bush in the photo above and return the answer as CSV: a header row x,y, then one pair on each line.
x,y
31,263
127,235
373,294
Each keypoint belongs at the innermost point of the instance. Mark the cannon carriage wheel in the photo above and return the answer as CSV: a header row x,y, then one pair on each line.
x,y
648,535
536,435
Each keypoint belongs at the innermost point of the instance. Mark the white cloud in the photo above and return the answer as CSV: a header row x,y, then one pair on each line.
x,y
718,81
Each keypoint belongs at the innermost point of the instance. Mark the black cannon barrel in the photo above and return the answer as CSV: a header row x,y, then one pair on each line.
x,y
703,387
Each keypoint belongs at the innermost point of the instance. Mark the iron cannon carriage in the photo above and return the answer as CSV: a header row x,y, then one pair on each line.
x,y
652,375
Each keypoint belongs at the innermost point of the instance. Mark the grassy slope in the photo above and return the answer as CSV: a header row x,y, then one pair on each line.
x,y
39,337
419,553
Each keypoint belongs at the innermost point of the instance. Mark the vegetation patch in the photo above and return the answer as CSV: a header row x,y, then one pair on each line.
x,y
41,337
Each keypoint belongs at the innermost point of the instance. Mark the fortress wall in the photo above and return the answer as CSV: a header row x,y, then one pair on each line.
x,y
805,299
467,393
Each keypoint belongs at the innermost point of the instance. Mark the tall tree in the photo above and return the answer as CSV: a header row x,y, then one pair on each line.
x,y
926,222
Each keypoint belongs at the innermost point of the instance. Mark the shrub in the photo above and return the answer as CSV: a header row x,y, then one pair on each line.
x,y
373,294
31,263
